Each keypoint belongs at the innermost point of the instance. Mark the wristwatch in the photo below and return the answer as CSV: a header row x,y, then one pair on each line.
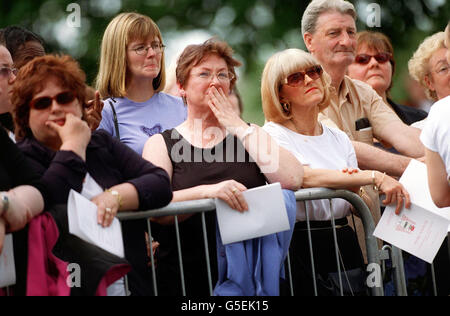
x,y
5,201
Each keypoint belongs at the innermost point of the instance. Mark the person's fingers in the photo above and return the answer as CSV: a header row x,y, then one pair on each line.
x,y
100,212
399,199
232,201
240,186
106,218
53,126
98,104
241,200
110,213
407,198
388,199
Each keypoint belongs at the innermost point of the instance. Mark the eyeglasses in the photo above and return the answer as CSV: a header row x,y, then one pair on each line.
x,y
157,47
7,71
364,59
223,76
298,78
443,69
63,98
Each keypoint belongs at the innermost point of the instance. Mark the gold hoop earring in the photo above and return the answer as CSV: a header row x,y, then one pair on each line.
x,y
286,107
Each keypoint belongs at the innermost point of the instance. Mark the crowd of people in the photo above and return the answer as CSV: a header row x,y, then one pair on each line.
x,y
130,146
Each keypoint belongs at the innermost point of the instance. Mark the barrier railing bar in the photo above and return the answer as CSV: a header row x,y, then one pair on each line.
x,y
208,263
173,209
433,277
363,210
180,256
291,283
197,206
399,271
336,248
311,252
152,258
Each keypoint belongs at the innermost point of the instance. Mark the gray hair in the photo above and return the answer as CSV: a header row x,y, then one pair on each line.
x,y
317,7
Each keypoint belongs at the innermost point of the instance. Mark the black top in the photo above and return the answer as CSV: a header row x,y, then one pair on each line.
x,y
194,166
407,114
109,162
15,169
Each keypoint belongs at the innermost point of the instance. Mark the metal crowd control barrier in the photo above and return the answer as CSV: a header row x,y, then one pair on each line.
x,y
207,205
374,255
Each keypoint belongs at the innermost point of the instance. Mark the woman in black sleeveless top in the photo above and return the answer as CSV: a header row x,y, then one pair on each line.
x,y
213,154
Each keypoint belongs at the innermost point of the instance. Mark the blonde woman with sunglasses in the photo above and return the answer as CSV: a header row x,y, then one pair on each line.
x,y
294,90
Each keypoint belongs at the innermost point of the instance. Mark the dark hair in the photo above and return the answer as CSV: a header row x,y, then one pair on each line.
x,y
31,79
13,37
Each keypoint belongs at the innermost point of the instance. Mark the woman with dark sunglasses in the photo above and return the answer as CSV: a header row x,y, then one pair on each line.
x,y
375,65
48,99
294,90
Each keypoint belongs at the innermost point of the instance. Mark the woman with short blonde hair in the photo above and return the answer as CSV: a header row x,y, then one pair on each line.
x,y
294,90
421,69
279,67
132,76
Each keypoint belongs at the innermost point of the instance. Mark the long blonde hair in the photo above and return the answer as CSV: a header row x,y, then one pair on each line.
x,y
112,76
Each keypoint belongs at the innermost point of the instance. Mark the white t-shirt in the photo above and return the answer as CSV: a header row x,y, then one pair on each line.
x,y
436,134
331,150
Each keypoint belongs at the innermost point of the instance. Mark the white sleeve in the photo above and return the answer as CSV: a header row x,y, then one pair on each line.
x,y
436,134
283,140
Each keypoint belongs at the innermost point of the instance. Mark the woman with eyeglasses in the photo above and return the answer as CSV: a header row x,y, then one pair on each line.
x,y
209,156
430,67
49,99
435,137
131,77
375,65
294,90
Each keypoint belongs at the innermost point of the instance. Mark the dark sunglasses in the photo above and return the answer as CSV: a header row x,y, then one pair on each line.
x,y
364,59
43,103
297,78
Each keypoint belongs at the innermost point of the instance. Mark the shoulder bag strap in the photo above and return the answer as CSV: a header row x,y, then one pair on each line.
x,y
116,123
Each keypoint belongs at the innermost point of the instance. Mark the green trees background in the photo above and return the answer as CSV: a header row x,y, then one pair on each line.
x,y
255,29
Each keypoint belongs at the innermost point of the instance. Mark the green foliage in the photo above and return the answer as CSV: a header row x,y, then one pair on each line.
x,y
255,29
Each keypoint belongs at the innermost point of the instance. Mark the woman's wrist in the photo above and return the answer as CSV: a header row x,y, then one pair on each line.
x,y
378,178
244,131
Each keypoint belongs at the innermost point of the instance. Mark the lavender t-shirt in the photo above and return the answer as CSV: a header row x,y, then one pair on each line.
x,y
140,120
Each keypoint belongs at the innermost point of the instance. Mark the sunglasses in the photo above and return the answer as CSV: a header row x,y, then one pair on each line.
x,y
62,98
297,78
364,59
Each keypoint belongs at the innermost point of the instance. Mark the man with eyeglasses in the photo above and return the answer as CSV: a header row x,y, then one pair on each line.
x,y
7,77
329,32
